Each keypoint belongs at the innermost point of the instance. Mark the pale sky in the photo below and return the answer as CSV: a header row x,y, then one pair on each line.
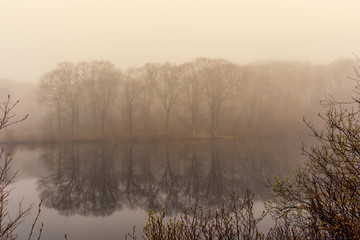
x,y
35,35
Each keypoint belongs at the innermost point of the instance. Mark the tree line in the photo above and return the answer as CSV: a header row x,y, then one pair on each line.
x,y
204,97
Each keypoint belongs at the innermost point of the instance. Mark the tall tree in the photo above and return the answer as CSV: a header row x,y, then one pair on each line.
x,y
217,85
102,85
72,94
50,93
192,93
149,72
131,93
167,89
237,97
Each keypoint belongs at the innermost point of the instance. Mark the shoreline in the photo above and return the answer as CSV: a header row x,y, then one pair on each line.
x,y
143,139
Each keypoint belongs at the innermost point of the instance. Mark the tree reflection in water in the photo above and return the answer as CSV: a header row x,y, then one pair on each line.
x,y
99,179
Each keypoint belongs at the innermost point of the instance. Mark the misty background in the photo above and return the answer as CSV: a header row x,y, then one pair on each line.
x,y
146,71
201,98
302,39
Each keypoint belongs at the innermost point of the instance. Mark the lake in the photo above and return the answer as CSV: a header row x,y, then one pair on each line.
x,y
101,190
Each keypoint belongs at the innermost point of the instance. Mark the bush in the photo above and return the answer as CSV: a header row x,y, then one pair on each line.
x,y
234,220
9,224
323,201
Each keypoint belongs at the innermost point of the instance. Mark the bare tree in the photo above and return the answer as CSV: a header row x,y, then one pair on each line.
x,y
102,88
149,72
131,93
217,85
260,102
167,89
61,89
192,93
72,94
237,91
51,93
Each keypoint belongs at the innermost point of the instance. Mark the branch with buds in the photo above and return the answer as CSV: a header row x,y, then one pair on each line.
x,y
7,117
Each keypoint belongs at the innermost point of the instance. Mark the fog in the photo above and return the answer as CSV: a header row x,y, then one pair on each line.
x,y
37,35
200,99
152,103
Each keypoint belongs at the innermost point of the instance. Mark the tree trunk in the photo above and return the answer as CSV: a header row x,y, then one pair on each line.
x,y
59,119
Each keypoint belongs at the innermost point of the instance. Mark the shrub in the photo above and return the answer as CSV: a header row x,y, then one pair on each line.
x,y
234,220
323,201
8,223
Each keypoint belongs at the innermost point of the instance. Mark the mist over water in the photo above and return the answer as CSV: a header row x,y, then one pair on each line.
x,y
107,182
157,104
102,145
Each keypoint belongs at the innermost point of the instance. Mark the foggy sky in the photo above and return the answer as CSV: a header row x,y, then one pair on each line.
x,y
35,35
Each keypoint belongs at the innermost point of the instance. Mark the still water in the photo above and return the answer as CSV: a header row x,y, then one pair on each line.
x,y
101,190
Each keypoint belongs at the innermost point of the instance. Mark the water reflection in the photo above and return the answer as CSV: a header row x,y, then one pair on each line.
x,y
99,179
